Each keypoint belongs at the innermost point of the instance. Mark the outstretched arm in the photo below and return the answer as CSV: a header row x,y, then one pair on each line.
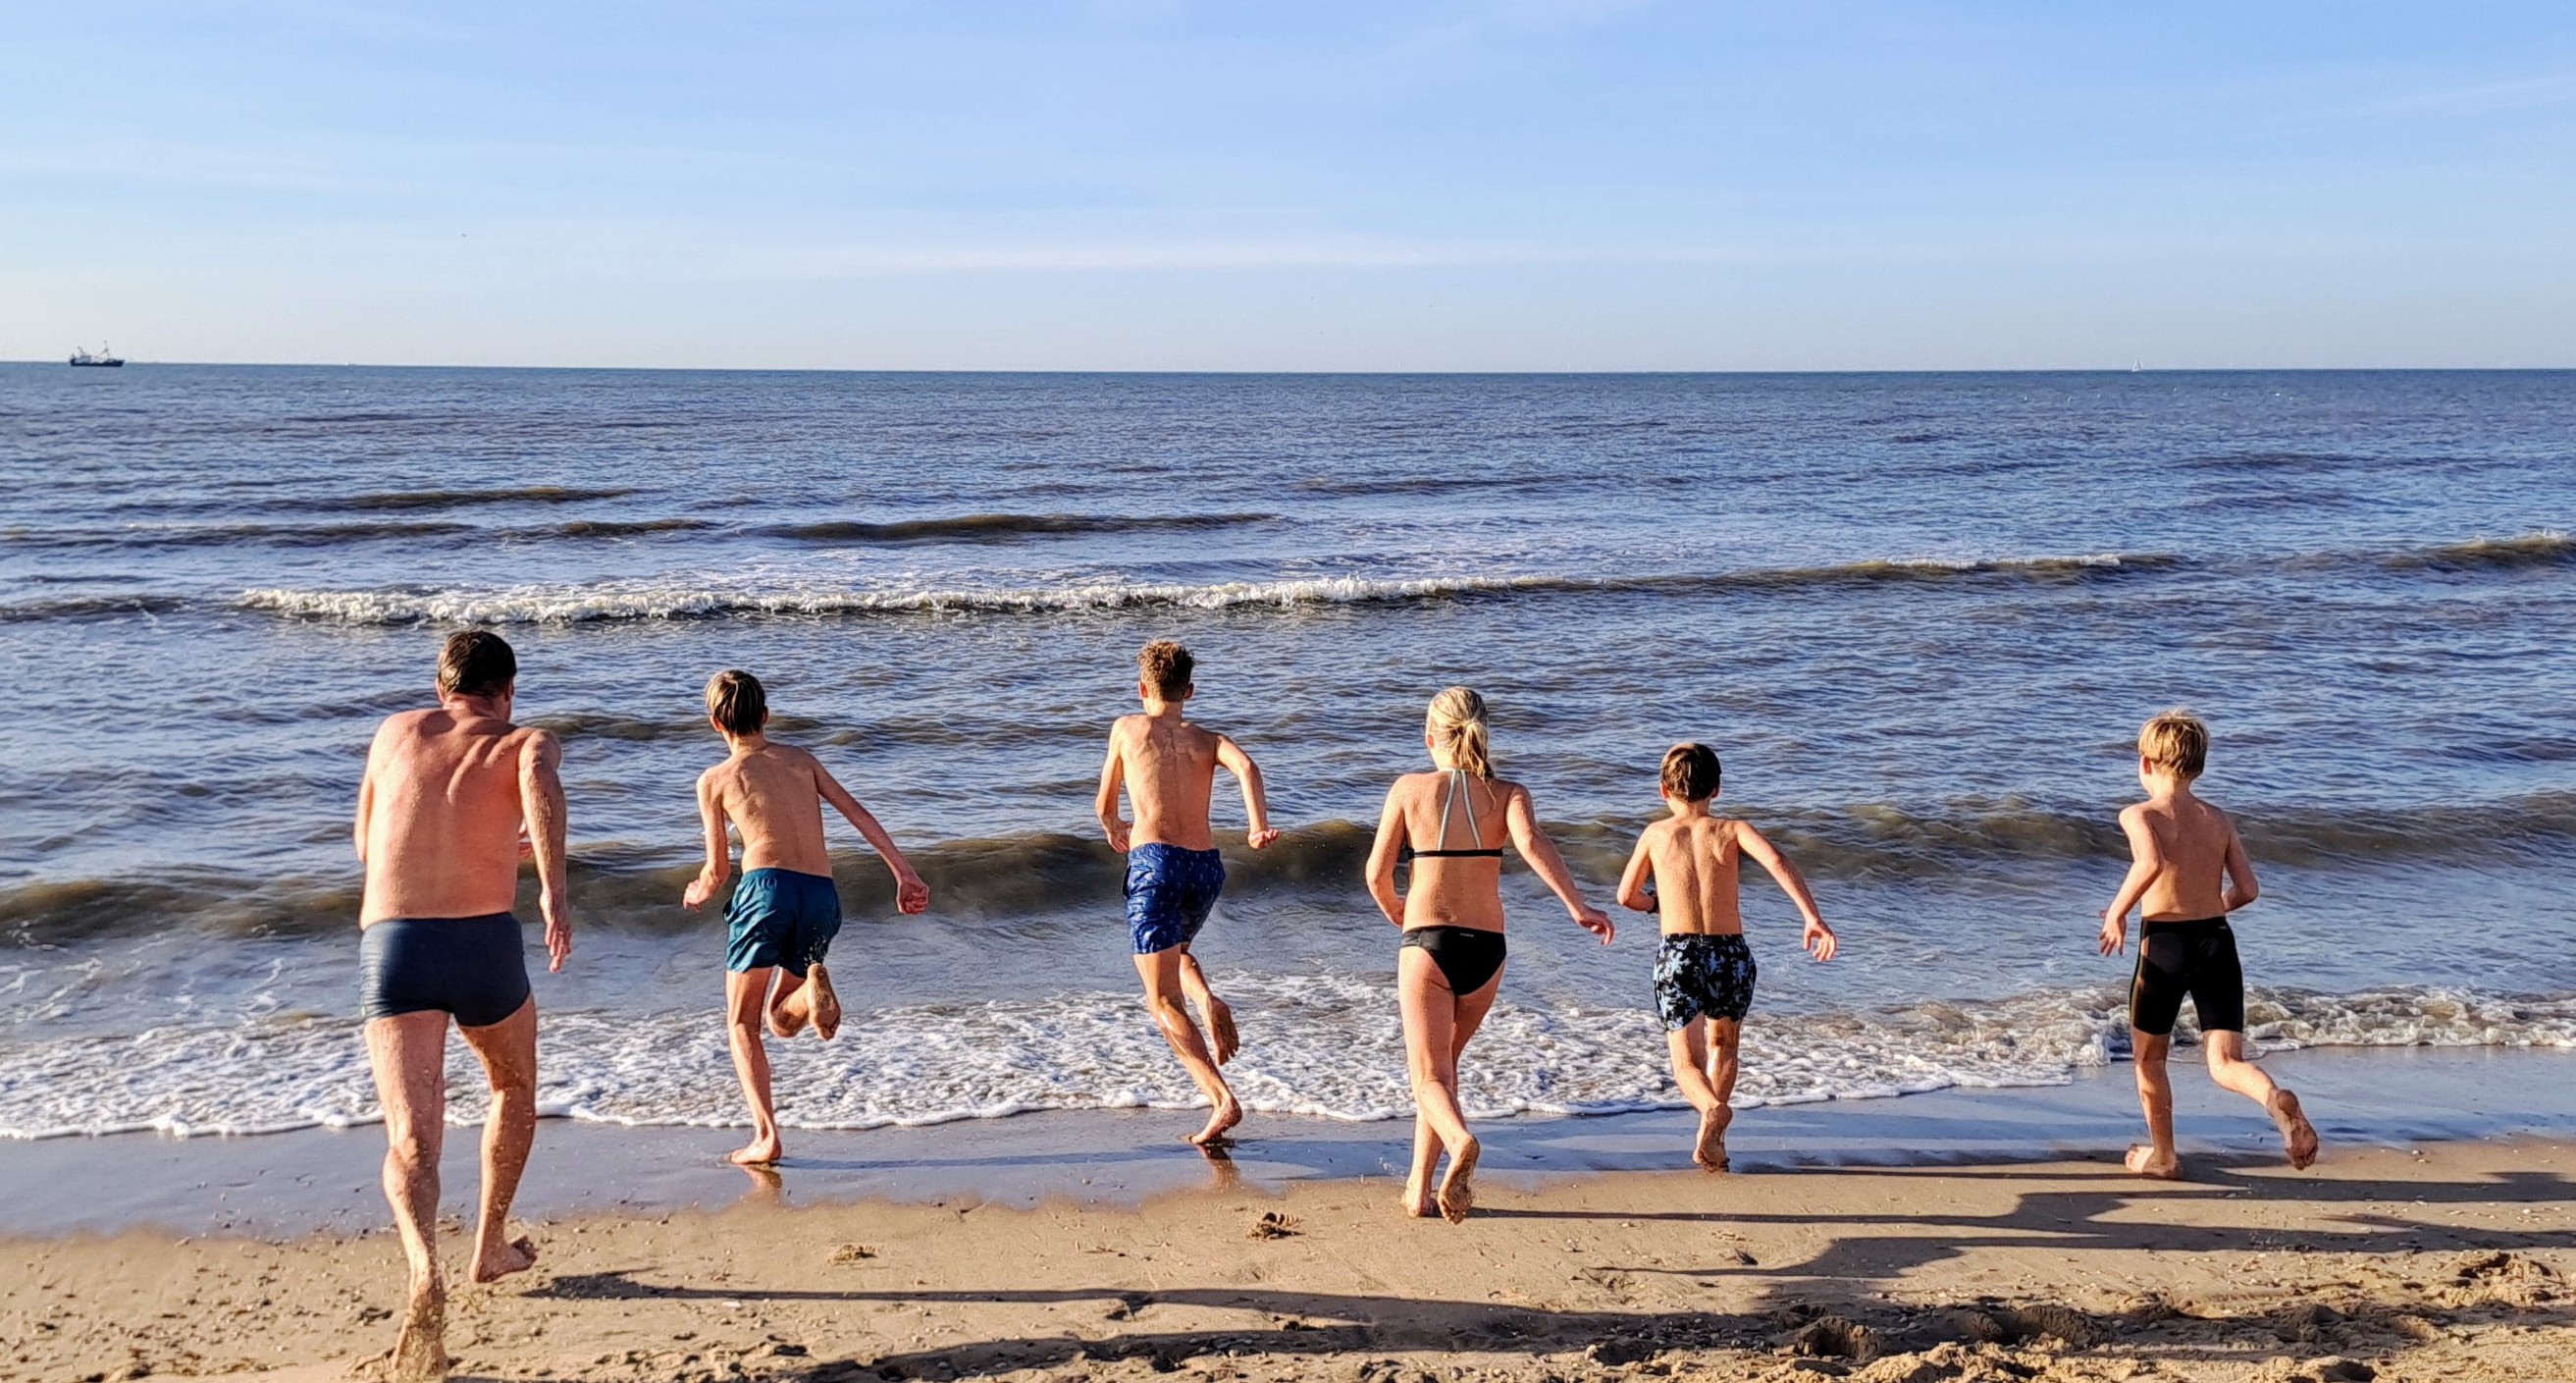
x,y
1256,807
719,865
911,895
1113,776
2146,862
541,806
1818,938
1381,861
1632,884
1540,853
2241,888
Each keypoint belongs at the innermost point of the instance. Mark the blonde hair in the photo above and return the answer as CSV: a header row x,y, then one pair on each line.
x,y
1457,724
2176,742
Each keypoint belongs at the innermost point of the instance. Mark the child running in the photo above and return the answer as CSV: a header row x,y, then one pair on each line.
x,y
2187,871
1685,868
1168,767
786,911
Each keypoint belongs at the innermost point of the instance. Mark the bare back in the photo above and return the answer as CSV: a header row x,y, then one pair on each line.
x,y
1168,767
773,795
440,811
2198,847
1454,890
1696,875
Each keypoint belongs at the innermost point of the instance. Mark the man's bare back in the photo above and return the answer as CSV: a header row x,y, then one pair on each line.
x,y
440,812
1168,767
774,795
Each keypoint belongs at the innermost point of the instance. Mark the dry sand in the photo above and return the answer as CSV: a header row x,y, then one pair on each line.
x,y
2451,1262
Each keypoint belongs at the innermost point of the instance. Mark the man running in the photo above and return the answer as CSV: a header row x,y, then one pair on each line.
x,y
451,798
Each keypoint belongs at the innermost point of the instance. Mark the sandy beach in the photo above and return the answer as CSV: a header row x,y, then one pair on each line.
x,y
2441,1261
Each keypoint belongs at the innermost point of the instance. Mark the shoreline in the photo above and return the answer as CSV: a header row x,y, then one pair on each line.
x,y
325,1180
2449,1261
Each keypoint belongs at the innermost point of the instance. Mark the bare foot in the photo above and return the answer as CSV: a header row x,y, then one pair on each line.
x,y
420,1350
516,1256
1417,1201
761,1153
1220,1021
824,1004
2146,1162
1458,1188
2298,1136
1228,1113
1710,1152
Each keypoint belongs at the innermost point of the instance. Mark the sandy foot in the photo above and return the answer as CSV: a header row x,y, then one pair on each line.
x,y
760,1153
2298,1136
2143,1160
824,1003
1710,1152
1228,1113
420,1350
516,1256
1458,1188
1221,1033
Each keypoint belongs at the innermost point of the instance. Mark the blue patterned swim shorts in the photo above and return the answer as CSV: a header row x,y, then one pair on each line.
x,y
1698,976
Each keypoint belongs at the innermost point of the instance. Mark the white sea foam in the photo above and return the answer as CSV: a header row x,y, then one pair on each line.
x,y
1320,1047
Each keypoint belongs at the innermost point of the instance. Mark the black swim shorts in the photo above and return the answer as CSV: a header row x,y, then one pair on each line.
x,y
2187,958
469,967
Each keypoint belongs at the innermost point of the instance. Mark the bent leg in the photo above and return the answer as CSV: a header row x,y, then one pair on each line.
x,y
509,1052
2229,1067
1220,1018
746,994
408,1053
2155,1098
1161,971
1437,1026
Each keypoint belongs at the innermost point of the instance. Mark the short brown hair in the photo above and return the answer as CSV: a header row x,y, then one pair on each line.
x,y
736,702
2176,742
1691,772
476,662
1165,667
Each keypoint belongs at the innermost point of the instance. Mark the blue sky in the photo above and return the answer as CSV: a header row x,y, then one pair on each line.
x,y
1153,184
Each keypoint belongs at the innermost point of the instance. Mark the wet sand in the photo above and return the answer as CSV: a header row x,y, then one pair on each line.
x,y
2443,1261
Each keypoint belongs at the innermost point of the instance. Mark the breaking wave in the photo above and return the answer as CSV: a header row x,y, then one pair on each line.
x,y
1328,1047
1000,527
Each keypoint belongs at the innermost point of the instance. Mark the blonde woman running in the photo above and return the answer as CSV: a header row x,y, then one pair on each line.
x,y
1453,824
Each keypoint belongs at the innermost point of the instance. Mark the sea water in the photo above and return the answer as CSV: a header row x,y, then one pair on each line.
x,y
1919,616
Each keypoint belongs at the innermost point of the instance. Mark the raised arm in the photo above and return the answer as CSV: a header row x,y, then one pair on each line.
x,y
541,806
1818,938
1256,807
719,865
1540,854
2241,888
1113,776
1632,884
911,895
2146,862
1381,860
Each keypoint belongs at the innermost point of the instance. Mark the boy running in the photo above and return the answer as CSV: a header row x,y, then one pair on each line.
x,y
786,911
1685,868
2180,849
1168,767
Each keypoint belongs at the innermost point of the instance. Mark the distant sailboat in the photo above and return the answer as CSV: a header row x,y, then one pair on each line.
x,y
105,359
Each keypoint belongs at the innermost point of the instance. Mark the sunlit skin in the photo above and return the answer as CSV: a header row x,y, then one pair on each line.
x,y
451,801
1691,859
2186,863
1166,767
1453,892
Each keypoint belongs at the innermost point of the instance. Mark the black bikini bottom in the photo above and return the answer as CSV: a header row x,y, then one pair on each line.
x,y
1468,957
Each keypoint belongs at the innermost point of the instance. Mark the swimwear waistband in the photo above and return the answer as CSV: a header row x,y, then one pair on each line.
x,y
789,873
2180,925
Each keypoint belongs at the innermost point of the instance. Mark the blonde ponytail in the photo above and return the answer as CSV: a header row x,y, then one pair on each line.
x,y
1458,726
